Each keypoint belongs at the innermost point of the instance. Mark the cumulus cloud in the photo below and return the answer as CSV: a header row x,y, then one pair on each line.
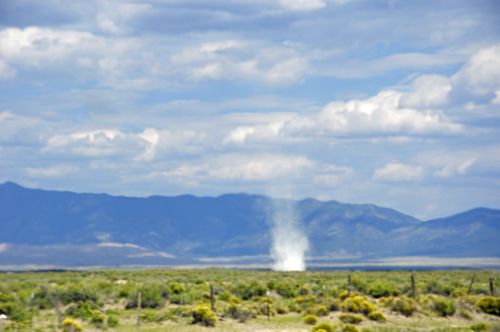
x,y
100,142
378,115
481,73
427,91
274,65
151,136
397,172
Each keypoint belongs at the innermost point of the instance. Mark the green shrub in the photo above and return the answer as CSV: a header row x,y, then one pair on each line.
x,y
350,305
294,307
175,298
176,288
204,315
443,307
321,310
310,300
333,304
479,327
97,317
247,290
281,310
78,293
383,289
150,298
466,314
323,326
367,307
80,310
457,293
113,321
366,329
350,328
405,306
286,290
149,316
310,319
235,300
489,305
225,296
125,290
69,325
377,316
350,318
15,311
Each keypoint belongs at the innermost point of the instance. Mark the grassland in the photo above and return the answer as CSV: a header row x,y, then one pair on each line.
x,y
170,299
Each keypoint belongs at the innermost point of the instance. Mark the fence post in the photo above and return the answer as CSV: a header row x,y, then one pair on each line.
x,y
349,286
182,306
212,297
51,300
31,311
471,282
492,287
413,286
139,312
268,309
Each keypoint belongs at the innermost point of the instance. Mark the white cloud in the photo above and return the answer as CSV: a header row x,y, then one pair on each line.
x,y
378,115
17,129
106,24
241,167
459,166
54,171
37,47
496,100
427,91
151,136
273,64
102,142
302,5
331,175
397,172
481,74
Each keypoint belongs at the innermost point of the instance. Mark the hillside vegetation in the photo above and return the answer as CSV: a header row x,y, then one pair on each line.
x,y
232,300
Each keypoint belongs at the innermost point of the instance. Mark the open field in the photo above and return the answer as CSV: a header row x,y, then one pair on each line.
x,y
377,301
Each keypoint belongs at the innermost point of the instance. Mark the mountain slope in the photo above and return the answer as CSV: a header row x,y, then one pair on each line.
x,y
188,228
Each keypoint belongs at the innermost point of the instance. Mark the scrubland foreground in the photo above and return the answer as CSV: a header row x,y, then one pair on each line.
x,y
174,300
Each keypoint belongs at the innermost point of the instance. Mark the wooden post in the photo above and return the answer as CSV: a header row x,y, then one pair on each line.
x,y
268,309
492,286
182,306
471,282
139,312
212,297
54,304
324,294
31,311
349,286
413,286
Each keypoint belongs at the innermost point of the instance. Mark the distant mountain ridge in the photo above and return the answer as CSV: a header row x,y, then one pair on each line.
x,y
56,227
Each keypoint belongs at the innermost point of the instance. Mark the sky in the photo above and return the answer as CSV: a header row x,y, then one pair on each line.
x,y
388,102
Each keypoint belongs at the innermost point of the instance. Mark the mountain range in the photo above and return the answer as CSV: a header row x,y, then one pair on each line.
x,y
59,228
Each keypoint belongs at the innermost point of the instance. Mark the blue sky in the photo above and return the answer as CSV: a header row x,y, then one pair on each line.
x,y
395,103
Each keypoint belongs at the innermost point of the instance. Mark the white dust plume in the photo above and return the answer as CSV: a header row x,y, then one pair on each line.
x,y
289,242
